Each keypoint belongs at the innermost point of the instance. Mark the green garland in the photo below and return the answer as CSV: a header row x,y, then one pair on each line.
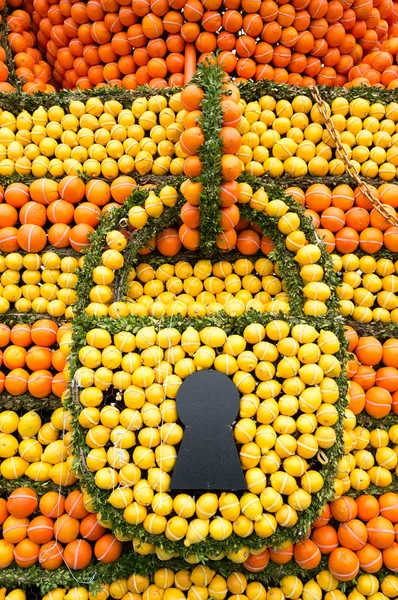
x,y
152,229
371,423
137,240
381,331
98,573
284,181
13,317
17,101
40,487
9,61
28,402
251,92
211,80
287,264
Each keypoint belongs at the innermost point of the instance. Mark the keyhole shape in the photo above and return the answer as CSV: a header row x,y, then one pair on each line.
x,y
207,404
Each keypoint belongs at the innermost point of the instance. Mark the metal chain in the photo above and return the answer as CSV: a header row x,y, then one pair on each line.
x,y
351,169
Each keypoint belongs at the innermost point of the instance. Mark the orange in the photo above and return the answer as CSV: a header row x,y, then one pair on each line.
x,y
347,240
3,510
50,556
14,357
352,534
90,529
52,505
231,113
60,211
8,215
371,240
318,197
15,529
107,548
344,509
369,351
26,553
44,332
66,529
387,378
343,564
189,237
17,194
325,538
74,505
38,357
22,502
31,238
324,517
121,188
381,532
357,398
98,192
390,557
58,235
9,239
352,337
368,507
78,236
41,530
390,352
71,188
257,562
378,402
40,383
307,554
16,382
389,506
281,555
248,242
365,376
191,97
227,240
168,242
191,140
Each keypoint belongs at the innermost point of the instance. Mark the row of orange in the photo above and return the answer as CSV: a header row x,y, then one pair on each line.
x,y
47,202
38,369
345,219
59,532
354,534
74,44
373,373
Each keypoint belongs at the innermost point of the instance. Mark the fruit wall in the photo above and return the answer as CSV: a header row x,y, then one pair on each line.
x,y
191,186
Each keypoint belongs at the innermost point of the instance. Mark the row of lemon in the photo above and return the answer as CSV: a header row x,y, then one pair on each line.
x,y
95,138
37,448
42,283
291,137
203,583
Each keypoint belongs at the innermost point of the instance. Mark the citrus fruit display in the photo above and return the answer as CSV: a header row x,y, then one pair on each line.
x,y
167,213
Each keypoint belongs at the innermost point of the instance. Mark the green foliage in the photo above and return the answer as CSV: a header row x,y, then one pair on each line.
x,y
281,91
9,61
210,154
15,102
28,402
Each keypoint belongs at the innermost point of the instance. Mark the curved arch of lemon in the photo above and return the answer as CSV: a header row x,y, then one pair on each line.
x,y
82,323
